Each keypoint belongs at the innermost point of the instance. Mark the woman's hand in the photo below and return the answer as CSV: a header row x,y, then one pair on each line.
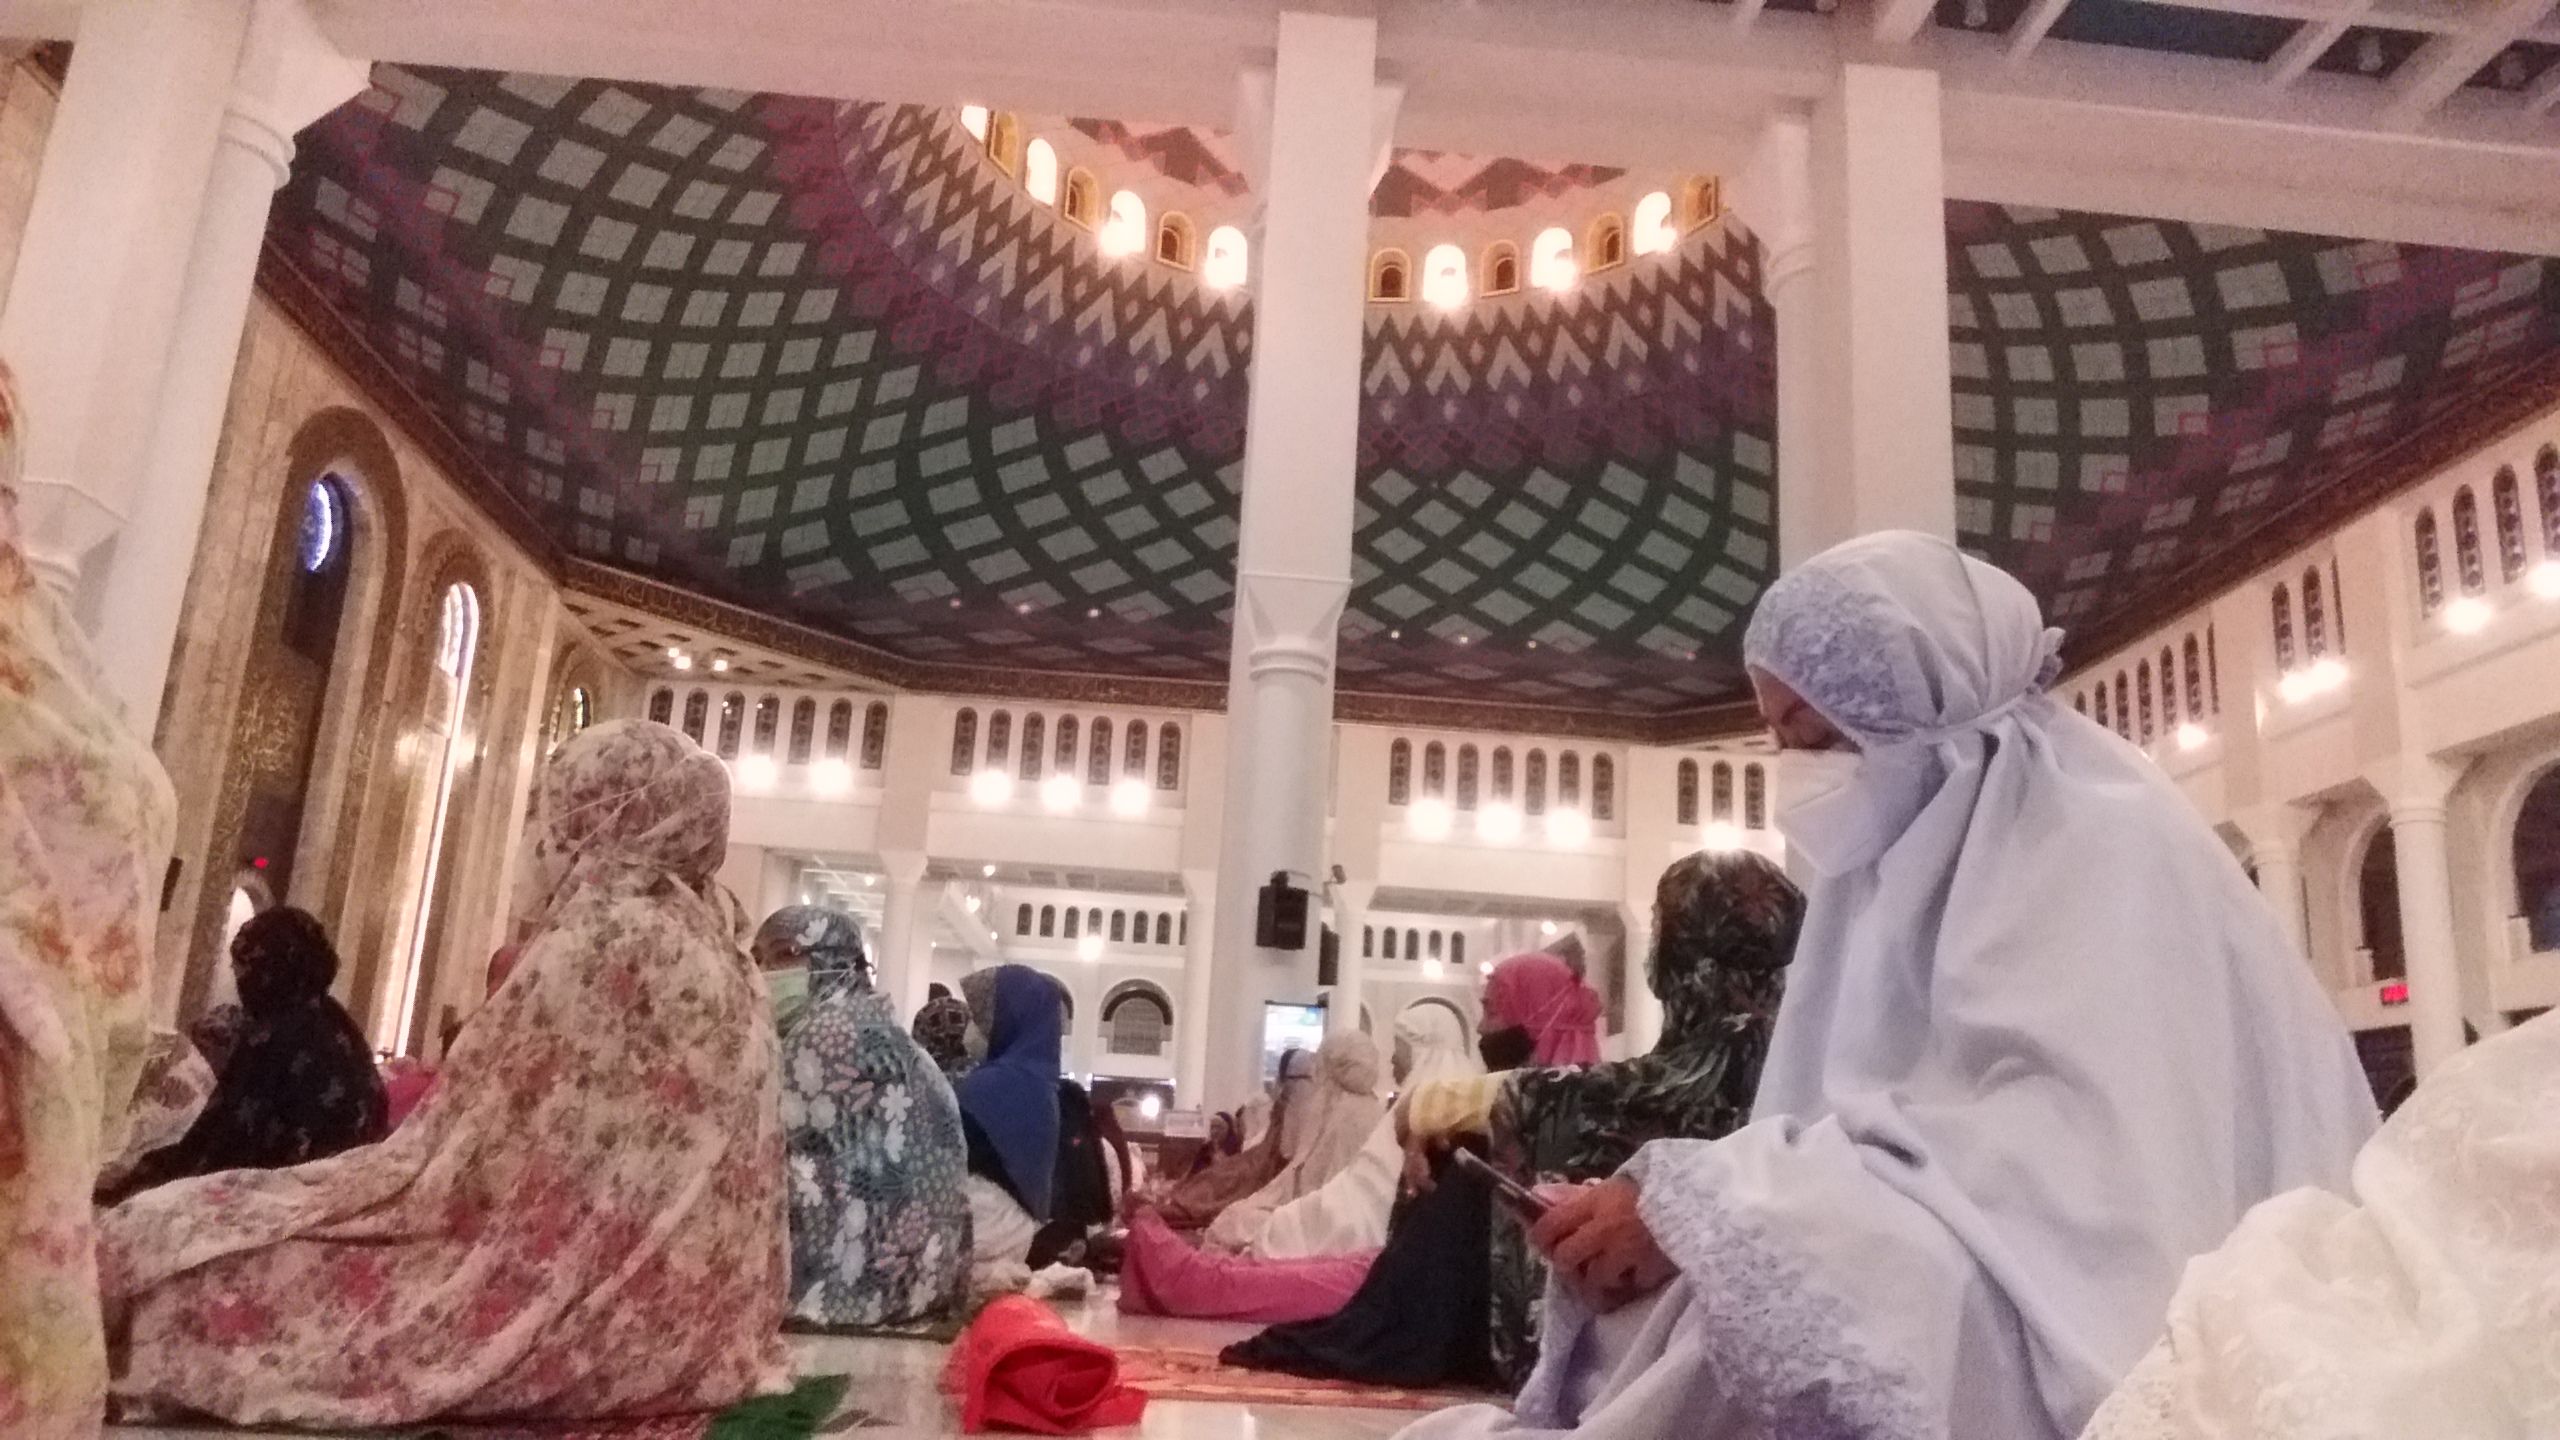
x,y
1595,1239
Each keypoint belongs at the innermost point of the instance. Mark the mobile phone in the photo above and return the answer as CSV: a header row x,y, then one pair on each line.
x,y
1521,1200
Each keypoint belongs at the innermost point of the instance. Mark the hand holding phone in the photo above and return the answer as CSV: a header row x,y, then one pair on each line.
x,y
1516,1197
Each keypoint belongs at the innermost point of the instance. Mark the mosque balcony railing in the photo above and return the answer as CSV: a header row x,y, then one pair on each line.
x,y
2479,543
780,741
1067,763
1503,791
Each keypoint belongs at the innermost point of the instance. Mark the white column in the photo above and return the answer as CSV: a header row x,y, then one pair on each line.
x,y
1851,204
1191,1029
2275,834
289,76
2415,788
905,964
1350,976
109,232
1293,564
1644,1008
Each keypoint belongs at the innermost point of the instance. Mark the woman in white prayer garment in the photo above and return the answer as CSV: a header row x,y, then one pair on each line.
x,y
2042,1043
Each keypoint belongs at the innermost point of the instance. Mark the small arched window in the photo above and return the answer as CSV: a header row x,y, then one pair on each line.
x,y
1164,929
964,741
1391,942
1022,919
1040,171
1755,797
1368,942
1604,788
1444,276
2195,680
2104,714
1501,268
1466,777
1080,199
1654,232
1004,142
1552,266
999,739
2212,674
2143,733
697,707
1412,943
1124,229
1438,944
2280,615
733,719
1390,277
1720,791
1533,783
1607,245
1228,261
1097,766
2467,557
1569,778
1034,753
1049,921
1174,241
875,735
1093,920
1066,745
2168,690
1137,1024
1686,810
1435,770
1502,775
2546,489
2315,616
2337,610
804,730
1701,201
1400,773
1133,758
2080,701
1169,757
1457,949
1120,925
2124,707
1075,924
2506,505
840,730
768,723
2430,564
662,705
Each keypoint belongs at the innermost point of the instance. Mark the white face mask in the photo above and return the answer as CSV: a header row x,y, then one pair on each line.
x,y
789,989
1825,812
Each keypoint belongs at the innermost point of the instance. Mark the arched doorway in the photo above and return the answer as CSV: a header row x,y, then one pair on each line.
x,y
2378,905
2535,854
293,659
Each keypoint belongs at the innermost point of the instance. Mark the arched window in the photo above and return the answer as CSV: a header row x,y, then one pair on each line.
x,y
839,730
2337,610
2430,564
1080,200
2104,715
2168,690
1049,920
875,735
1004,142
1169,757
1720,791
1133,757
2212,673
1607,246
1390,277
1400,773
1701,201
1022,919
2378,904
1412,943
1569,778
448,696
1120,925
1457,949
1552,266
2467,558
1368,942
973,118
804,730
1435,770
2536,853
1228,261
1501,268
1034,731
1066,745
1654,232
1075,924
2143,733
1040,171
1533,783
1604,788
2124,707
1097,766
733,718
964,741
697,710
2546,489
1444,276
1391,942
2315,616
1136,1023
768,723
1502,775
999,739
1124,232
2506,506
1686,811
2080,701
2195,680
1093,920
1164,929
302,607
1755,797
1438,944
1466,777
2281,608
1174,241
662,705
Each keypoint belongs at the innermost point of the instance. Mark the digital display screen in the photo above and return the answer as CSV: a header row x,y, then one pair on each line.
x,y
1286,1028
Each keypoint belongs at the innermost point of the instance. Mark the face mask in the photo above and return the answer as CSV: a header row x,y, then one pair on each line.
x,y
1507,1049
1819,810
790,992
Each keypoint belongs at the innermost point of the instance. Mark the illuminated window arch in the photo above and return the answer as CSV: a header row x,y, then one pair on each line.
x,y
1391,943
662,705
2168,690
1120,926
1075,925
1124,230
1368,942
1653,231
1502,772
1133,759
1444,276
697,712
2102,713
2506,506
1400,773
768,724
2430,564
1004,142
1097,766
2468,560
1502,268
2124,706
2281,607
839,730
1435,770
1604,788
1685,810
1390,277
1080,199
2143,733
1049,921
1228,260
2195,680
1067,753
1755,797
1701,201
1169,756
1040,171
1720,791
1034,753
964,741
1437,942
1022,919
1607,245
1175,242
1552,265
804,730
999,740
1533,783
733,719
875,735
2546,490
2212,673
455,659
2315,616
1467,777
1569,778
1136,1020
1164,929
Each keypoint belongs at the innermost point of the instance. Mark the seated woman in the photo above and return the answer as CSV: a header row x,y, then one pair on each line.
x,y
300,1083
2045,1043
582,1221
1724,931
1197,1202
1009,1112
879,1216
1348,1214
1342,1110
1538,1012
176,1082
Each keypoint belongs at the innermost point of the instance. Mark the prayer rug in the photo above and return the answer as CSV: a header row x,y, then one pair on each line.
x,y
1173,1373
808,1409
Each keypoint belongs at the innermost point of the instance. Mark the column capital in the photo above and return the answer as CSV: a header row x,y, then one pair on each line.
x,y
1774,196
2275,828
2416,786
1354,893
1200,887
903,868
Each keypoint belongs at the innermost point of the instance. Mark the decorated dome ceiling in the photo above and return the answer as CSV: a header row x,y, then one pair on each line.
x,y
831,365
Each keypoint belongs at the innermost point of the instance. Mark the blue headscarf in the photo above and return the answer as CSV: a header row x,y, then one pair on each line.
x,y
1012,1097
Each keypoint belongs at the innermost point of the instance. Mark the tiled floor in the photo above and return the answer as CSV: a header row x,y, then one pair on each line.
x,y
895,1393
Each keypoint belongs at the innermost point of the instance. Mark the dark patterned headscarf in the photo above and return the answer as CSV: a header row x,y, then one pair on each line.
x,y
282,958
826,940
942,1028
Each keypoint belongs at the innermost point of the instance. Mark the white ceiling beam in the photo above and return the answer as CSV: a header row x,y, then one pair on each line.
x,y
1746,11
2443,65
2030,30
1898,21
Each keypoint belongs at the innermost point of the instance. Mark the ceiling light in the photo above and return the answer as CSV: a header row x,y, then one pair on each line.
x,y
2191,736
1089,948
757,772
674,654
976,904
1059,793
2468,616
831,777
1428,818
679,660
989,871
1433,970
1150,1106
1720,835
1547,928
2544,580
1568,827
1499,823
1485,968
1130,798
990,788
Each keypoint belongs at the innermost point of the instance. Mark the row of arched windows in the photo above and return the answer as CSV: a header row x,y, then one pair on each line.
x,y
1500,783
1720,776
803,748
2508,525
2324,619
1125,927
1554,262
1064,745
1412,942
1120,229
2153,701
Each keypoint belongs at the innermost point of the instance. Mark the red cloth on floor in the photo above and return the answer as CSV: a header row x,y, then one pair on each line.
x,y
1018,1367
1163,1274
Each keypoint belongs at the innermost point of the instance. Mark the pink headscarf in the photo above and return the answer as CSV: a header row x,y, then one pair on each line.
x,y
1539,993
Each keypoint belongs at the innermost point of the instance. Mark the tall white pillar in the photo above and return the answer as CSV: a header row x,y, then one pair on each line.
x,y
1293,563
109,233
1351,971
1644,1008
1199,945
905,965
2275,834
289,76
2415,788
